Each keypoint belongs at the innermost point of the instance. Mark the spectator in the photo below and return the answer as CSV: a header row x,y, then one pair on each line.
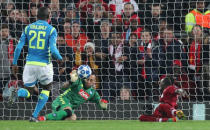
x,y
117,58
133,28
198,57
71,12
162,26
195,52
15,25
6,55
148,45
127,15
94,21
206,70
116,6
102,41
169,49
56,14
66,28
6,7
198,16
134,64
87,7
76,39
33,13
24,18
125,94
152,19
144,8
88,57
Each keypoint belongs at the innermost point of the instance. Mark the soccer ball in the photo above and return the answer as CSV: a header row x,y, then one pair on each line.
x,y
84,71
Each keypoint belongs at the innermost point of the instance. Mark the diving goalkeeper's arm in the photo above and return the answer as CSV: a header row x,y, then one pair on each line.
x,y
73,79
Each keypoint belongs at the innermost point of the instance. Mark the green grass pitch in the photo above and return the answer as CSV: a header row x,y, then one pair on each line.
x,y
104,125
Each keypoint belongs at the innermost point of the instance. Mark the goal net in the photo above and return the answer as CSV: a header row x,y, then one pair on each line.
x,y
130,46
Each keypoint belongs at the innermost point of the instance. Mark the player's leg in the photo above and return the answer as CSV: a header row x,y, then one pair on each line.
x,y
64,110
151,118
159,115
29,79
45,76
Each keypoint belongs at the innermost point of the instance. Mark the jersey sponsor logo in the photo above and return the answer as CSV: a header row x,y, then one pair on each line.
x,y
91,92
84,94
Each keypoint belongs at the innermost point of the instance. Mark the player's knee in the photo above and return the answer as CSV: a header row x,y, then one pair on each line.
x,y
69,112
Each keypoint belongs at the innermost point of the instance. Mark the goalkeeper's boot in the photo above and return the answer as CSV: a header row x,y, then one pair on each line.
x,y
33,119
12,97
42,118
180,114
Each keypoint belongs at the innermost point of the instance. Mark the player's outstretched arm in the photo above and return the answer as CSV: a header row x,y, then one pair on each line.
x,y
182,92
74,76
19,47
17,52
103,104
53,48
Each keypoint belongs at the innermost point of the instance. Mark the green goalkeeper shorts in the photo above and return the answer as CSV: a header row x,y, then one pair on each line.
x,y
60,103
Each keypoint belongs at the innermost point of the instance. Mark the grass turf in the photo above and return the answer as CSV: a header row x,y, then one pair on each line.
x,y
104,125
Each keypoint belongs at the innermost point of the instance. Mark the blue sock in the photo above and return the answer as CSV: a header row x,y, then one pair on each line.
x,y
22,92
43,97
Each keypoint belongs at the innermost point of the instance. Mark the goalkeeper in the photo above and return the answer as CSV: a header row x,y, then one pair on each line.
x,y
77,91
166,110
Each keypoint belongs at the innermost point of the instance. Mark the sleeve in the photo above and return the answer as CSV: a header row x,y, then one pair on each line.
x,y
71,85
96,98
171,90
20,45
101,103
189,22
53,48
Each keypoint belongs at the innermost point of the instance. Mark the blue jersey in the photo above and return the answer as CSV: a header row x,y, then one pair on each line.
x,y
41,39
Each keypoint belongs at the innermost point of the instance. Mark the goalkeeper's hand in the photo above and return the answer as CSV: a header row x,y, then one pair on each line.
x,y
74,76
182,92
103,104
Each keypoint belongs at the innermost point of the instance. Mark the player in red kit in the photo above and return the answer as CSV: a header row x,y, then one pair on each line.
x,y
166,110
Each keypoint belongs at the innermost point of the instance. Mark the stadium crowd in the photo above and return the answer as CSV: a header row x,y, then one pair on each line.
x,y
129,44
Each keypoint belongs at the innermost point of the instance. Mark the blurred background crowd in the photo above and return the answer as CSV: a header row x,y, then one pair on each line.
x,y
129,44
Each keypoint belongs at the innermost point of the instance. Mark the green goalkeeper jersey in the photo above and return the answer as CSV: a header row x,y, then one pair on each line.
x,y
77,94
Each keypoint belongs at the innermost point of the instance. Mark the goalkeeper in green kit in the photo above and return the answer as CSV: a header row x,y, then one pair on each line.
x,y
77,91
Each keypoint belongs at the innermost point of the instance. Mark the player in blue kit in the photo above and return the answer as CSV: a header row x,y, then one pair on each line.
x,y
41,39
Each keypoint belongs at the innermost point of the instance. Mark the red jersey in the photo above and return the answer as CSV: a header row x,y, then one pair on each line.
x,y
169,96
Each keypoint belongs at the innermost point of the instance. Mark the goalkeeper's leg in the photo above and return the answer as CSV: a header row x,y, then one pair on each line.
x,y
58,115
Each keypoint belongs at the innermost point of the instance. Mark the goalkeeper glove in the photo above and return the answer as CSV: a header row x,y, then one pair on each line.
x,y
103,104
180,114
74,76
